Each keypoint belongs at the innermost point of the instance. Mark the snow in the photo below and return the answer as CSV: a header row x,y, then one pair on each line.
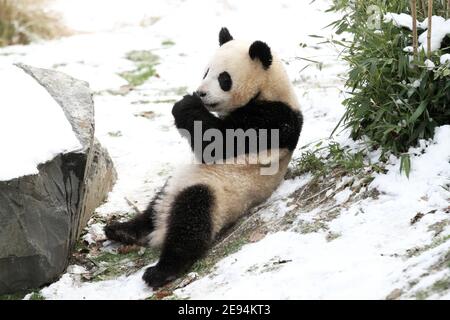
x,y
33,126
94,233
429,64
343,196
309,274
416,83
364,262
106,15
70,287
430,171
368,256
408,49
445,58
440,28
401,20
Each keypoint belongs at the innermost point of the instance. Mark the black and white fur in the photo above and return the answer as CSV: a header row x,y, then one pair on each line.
x,y
247,86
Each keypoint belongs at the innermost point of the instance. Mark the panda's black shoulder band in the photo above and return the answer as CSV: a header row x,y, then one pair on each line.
x,y
256,115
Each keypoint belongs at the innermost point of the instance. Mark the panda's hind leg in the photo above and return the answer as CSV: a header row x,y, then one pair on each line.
x,y
136,230
133,231
188,237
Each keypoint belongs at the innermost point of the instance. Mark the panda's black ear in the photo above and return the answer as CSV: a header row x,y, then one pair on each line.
x,y
224,36
261,51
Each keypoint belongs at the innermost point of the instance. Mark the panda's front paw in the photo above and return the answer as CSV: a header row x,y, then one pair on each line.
x,y
156,278
187,103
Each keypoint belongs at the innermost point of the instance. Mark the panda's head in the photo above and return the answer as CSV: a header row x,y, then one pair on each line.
x,y
237,73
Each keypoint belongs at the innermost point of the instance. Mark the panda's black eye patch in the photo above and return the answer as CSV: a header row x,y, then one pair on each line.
x,y
225,81
206,73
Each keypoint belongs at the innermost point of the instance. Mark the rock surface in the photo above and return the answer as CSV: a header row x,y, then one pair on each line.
x,y
41,216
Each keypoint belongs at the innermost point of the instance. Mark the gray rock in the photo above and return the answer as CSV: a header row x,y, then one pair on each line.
x,y
42,216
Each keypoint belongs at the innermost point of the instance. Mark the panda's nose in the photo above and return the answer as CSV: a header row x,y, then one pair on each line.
x,y
201,94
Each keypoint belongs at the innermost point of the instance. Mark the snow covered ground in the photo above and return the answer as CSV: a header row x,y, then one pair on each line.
x,y
395,242
368,260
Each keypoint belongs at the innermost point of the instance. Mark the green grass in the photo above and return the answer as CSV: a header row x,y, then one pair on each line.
x,y
310,161
439,286
321,161
112,265
234,246
145,62
204,265
168,43
435,243
139,76
35,295
13,296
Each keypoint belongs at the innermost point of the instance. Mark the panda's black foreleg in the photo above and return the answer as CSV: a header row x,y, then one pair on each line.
x,y
133,231
188,235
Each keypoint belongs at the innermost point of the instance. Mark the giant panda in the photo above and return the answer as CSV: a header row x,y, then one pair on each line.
x,y
244,87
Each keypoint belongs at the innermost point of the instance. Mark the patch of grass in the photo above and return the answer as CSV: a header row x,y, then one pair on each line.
x,y
311,227
24,21
310,161
234,246
145,67
13,296
139,75
35,295
204,265
321,161
168,43
439,286
419,250
165,295
422,295
142,56
112,265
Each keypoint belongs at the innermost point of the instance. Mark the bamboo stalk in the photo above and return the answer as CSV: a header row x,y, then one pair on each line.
x,y
414,25
424,8
430,17
448,9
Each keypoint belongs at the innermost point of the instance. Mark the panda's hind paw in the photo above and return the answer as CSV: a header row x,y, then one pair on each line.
x,y
121,232
156,278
